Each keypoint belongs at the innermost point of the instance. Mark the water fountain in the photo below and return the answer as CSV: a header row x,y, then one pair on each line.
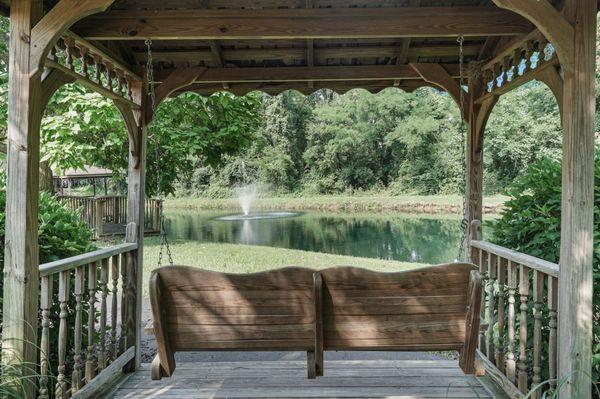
x,y
246,195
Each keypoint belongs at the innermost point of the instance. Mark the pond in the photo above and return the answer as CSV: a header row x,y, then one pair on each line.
x,y
405,238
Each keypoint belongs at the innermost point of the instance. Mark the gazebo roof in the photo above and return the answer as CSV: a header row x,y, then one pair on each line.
x,y
274,45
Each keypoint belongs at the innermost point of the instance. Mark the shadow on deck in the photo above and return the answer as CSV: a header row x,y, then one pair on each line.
x,y
287,379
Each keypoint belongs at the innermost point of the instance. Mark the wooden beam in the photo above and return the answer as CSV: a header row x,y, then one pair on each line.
x,y
575,283
21,275
304,74
316,23
437,75
557,29
175,81
276,88
299,53
64,14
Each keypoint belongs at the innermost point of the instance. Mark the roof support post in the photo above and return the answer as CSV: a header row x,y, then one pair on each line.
x,y
573,34
476,116
21,275
575,285
136,123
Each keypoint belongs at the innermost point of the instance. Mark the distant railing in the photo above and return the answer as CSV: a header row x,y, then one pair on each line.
x,y
71,289
517,364
98,211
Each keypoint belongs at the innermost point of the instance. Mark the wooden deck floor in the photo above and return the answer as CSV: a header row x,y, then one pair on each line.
x,y
287,379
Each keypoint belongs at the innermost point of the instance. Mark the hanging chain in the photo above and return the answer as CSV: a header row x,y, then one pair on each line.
x,y
164,242
464,223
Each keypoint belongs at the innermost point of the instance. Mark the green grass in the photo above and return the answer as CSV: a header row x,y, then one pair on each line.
x,y
433,204
235,258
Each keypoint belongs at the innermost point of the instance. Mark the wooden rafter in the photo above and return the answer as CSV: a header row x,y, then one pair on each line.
x,y
177,80
305,74
313,23
404,47
310,47
299,53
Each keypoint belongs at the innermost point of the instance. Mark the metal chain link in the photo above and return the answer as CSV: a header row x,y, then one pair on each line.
x,y
164,242
464,223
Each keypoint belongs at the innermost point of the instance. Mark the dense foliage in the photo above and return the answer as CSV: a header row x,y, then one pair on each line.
x,y
391,141
530,223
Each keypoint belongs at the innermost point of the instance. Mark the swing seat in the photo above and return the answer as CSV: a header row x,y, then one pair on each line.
x,y
298,309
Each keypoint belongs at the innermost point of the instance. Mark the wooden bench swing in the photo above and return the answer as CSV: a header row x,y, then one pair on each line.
x,y
299,309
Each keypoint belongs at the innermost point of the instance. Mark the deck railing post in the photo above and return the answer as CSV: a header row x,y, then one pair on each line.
x,y
575,283
21,277
135,222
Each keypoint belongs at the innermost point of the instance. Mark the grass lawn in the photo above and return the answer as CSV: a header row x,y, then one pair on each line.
x,y
233,258
334,203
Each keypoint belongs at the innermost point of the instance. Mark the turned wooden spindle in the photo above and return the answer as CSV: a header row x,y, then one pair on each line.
x,y
500,361
109,75
524,296
538,299
114,306
84,61
497,71
492,275
129,88
103,310
517,60
89,364
76,376
553,323
120,81
483,269
69,48
63,331
510,333
45,306
529,51
97,68
123,301
507,68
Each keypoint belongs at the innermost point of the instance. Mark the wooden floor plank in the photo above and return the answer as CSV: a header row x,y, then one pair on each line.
x,y
287,380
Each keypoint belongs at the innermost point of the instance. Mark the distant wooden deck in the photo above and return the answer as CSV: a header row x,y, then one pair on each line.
x,y
118,229
287,379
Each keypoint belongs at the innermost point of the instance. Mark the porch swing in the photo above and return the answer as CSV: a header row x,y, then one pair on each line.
x,y
434,308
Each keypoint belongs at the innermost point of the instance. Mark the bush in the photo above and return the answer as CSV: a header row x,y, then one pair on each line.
x,y
530,224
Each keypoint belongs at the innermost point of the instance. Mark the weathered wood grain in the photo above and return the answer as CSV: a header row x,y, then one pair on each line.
x,y
314,23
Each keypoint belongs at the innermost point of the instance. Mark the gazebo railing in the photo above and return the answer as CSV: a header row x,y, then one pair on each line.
x,y
112,209
87,313
518,349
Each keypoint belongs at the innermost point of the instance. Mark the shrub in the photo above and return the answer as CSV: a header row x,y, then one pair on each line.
x,y
530,224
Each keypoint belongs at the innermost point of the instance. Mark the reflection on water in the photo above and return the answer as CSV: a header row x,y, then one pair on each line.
x,y
391,237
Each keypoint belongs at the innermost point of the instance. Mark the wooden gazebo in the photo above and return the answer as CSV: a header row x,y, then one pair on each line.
x,y
275,45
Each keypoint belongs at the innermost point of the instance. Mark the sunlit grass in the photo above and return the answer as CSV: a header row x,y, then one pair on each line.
x,y
335,203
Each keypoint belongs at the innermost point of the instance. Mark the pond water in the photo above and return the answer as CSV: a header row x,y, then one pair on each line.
x,y
405,238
